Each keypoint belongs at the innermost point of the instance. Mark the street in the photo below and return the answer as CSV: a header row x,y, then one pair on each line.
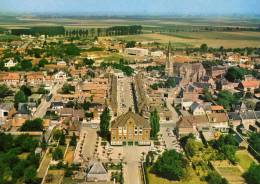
x,y
44,105
125,96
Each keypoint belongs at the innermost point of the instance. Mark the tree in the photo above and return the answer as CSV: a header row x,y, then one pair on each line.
x,y
192,147
227,99
20,97
56,134
57,154
27,90
254,140
88,62
72,50
62,139
214,178
33,125
104,122
171,165
227,146
253,174
130,44
4,91
67,88
43,62
235,73
170,83
73,141
30,175
204,48
207,95
155,123
26,65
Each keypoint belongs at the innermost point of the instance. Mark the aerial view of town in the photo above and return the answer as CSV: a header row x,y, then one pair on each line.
x,y
129,92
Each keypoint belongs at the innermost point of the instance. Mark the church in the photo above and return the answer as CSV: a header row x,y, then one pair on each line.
x,y
187,71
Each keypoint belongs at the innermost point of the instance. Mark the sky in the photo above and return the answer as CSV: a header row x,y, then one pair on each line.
x,y
133,7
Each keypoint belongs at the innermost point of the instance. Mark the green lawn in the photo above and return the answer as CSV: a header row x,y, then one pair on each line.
x,y
245,160
192,179
231,172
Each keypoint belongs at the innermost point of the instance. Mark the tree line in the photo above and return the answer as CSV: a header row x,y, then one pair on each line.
x,y
40,30
111,31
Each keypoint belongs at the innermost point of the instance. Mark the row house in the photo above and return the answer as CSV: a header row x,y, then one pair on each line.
x,y
213,122
35,78
11,79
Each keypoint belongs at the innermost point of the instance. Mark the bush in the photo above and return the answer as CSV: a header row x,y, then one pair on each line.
x,y
253,174
57,154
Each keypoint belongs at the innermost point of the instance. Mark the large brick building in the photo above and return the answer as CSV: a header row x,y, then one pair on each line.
x,y
130,128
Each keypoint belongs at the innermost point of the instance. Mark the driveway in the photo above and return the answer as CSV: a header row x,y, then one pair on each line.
x,y
132,155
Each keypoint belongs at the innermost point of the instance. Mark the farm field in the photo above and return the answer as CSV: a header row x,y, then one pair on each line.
x,y
195,39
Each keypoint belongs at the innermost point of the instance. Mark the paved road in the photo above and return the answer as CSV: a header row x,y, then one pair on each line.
x,y
87,141
175,115
42,108
132,155
125,96
171,142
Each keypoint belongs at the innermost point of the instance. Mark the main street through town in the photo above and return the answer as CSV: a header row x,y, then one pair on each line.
x,y
45,104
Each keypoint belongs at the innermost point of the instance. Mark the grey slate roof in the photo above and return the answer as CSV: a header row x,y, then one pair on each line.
x,y
234,116
97,168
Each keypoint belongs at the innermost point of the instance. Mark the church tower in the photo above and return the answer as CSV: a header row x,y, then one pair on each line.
x,y
169,63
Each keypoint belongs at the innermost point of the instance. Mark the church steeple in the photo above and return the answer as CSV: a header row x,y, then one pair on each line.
x,y
169,63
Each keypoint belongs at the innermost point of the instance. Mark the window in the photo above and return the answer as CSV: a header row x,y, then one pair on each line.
x,y
136,130
125,131
140,131
120,130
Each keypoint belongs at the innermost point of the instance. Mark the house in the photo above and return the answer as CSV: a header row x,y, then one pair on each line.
x,y
249,86
214,122
157,54
197,109
7,110
234,119
71,114
186,104
11,79
57,105
137,51
97,172
10,64
218,122
249,118
61,64
130,128
217,108
35,78
188,125
60,76
223,84
27,108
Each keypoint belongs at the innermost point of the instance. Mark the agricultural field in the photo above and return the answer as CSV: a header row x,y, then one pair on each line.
x,y
182,32
195,39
